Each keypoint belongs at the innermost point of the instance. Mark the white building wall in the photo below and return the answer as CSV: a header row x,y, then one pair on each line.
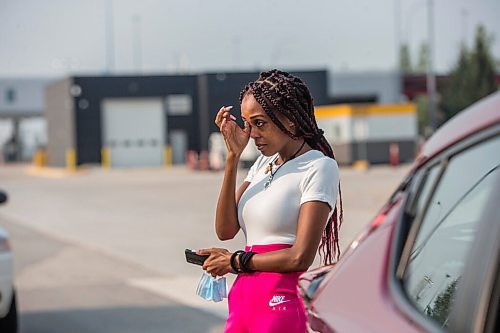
x,y
337,129
391,127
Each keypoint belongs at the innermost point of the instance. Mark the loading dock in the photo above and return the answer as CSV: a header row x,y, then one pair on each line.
x,y
133,131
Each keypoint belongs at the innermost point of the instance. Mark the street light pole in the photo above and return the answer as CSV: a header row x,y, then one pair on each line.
x,y
397,23
431,77
136,22
399,47
464,13
110,51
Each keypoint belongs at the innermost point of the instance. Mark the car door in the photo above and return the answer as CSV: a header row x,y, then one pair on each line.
x,y
443,240
480,296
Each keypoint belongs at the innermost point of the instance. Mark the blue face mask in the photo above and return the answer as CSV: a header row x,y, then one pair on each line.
x,y
212,289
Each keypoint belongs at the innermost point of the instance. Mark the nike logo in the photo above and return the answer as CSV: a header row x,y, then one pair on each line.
x,y
277,300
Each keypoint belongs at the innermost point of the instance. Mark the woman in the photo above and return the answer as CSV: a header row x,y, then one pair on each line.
x,y
286,206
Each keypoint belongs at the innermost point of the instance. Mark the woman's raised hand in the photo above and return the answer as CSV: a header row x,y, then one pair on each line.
x,y
235,138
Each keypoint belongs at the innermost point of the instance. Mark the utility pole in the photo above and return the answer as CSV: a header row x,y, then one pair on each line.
x,y
110,50
464,13
431,77
397,29
399,69
136,22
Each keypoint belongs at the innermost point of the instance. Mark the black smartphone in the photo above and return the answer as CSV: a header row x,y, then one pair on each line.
x,y
193,258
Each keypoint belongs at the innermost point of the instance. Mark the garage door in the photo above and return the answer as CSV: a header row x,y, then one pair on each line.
x,y
134,131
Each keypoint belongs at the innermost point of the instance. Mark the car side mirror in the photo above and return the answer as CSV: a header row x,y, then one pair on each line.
x,y
3,197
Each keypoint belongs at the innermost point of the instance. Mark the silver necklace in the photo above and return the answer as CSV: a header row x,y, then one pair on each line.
x,y
270,166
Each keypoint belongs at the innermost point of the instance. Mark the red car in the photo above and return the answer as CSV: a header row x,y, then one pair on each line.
x,y
429,261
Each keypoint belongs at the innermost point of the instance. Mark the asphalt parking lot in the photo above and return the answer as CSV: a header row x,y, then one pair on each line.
x,y
102,250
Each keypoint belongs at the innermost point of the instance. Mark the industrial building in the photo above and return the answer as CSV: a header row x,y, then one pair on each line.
x,y
74,118
143,121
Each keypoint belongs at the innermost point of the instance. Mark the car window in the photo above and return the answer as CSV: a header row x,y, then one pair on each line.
x,y
423,191
447,232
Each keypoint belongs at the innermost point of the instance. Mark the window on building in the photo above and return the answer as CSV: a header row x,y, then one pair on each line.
x,y
10,95
179,104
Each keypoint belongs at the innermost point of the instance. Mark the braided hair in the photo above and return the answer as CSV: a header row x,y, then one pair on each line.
x,y
279,92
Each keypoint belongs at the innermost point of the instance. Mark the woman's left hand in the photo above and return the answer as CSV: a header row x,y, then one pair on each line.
x,y
218,262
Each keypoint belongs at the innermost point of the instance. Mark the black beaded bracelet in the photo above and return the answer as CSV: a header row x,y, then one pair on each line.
x,y
245,260
233,264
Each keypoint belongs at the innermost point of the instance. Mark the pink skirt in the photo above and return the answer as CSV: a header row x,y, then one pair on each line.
x,y
266,301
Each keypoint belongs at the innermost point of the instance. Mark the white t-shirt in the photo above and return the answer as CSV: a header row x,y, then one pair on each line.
x,y
270,216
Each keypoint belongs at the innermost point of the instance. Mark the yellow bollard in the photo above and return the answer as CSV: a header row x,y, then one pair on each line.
x,y
361,165
167,156
39,158
71,159
105,158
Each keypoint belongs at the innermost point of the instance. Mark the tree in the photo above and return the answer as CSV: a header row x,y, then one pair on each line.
x,y
405,60
483,66
457,94
423,58
472,78
442,305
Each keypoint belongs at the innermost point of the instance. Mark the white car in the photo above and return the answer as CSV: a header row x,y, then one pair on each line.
x,y
8,309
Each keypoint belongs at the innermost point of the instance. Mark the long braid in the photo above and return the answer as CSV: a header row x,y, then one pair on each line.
x,y
279,92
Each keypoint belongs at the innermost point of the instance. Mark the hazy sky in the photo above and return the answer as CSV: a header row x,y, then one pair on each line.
x,y
57,37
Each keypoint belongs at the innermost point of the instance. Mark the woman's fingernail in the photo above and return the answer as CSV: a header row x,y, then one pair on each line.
x,y
232,117
229,107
